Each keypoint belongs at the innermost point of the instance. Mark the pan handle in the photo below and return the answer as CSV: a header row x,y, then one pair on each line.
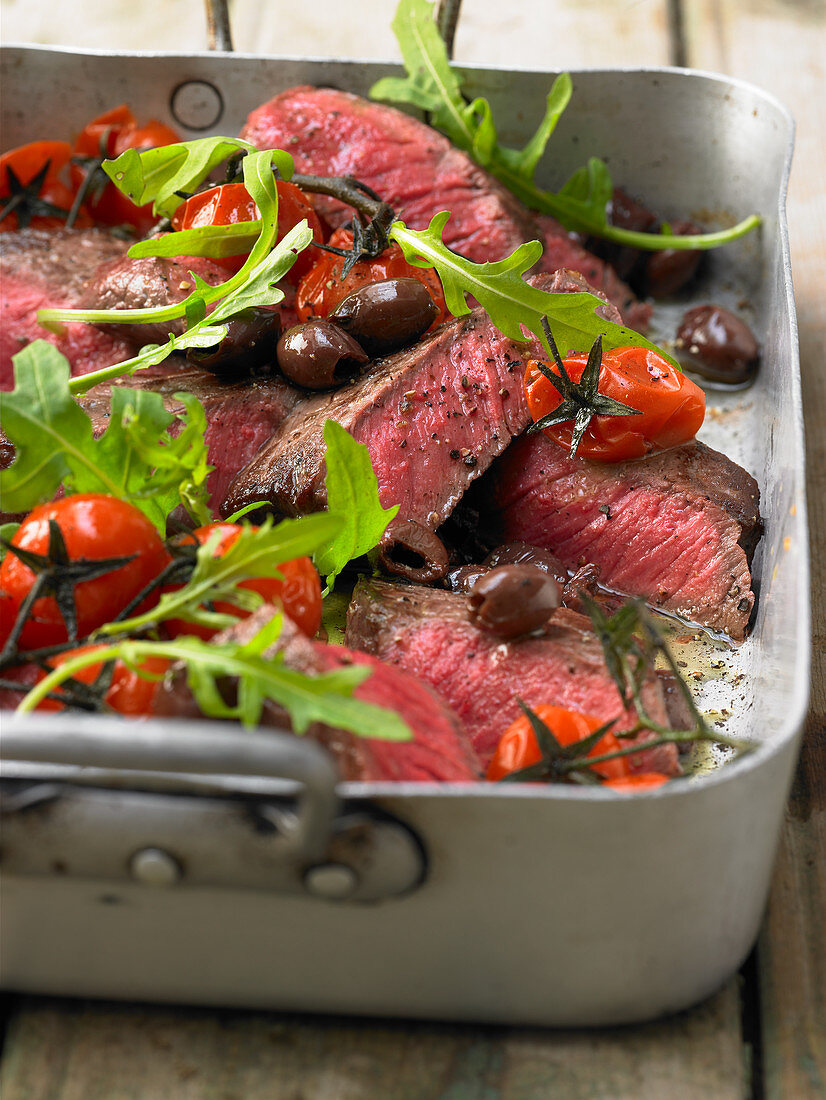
x,y
219,33
193,750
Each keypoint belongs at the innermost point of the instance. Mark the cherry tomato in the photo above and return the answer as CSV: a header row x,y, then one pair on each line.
x,y
518,746
642,781
231,203
320,291
25,163
299,592
93,527
672,406
129,693
113,133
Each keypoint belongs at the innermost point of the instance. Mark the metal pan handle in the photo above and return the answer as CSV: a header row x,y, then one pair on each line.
x,y
203,749
219,33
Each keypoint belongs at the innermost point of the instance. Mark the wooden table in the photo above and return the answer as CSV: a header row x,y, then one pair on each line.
x,y
764,1034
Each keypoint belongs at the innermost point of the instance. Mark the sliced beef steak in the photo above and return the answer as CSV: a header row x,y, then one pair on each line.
x,y
427,632
49,268
419,173
676,528
151,281
432,417
440,749
241,416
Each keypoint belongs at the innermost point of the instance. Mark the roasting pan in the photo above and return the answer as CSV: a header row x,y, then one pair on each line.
x,y
192,862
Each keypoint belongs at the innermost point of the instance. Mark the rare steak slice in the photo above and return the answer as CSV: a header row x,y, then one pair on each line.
x,y
143,283
427,632
419,172
241,416
676,528
50,268
432,417
439,751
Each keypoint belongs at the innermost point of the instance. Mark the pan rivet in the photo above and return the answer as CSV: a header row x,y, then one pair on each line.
x,y
196,105
154,867
334,881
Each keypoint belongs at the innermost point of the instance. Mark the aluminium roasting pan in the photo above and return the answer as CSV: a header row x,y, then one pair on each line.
x,y
195,863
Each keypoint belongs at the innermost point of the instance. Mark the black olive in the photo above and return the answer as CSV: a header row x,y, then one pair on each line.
x,y
463,577
512,600
625,213
318,354
387,315
717,345
522,553
668,271
409,549
248,347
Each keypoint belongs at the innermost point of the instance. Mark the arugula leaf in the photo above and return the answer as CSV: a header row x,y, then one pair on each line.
x,y
208,240
433,86
352,494
256,553
136,459
326,698
510,302
157,175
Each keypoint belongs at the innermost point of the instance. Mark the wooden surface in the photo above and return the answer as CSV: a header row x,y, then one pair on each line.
x,y
764,1035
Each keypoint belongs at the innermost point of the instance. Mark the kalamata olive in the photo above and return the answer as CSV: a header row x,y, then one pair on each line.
x,y
625,213
513,600
248,347
668,271
387,315
318,354
522,553
463,578
583,581
409,549
717,345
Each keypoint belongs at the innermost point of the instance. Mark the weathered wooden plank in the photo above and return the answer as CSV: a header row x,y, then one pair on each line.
x,y
782,46
61,1050
553,34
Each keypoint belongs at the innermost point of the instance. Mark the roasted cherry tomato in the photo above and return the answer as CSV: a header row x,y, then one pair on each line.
x,y
129,692
298,590
24,164
672,406
93,527
112,133
642,781
321,290
518,747
232,203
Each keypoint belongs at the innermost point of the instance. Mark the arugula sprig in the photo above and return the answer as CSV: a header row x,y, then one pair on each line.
x,y
353,496
253,285
511,303
137,458
256,553
581,204
261,676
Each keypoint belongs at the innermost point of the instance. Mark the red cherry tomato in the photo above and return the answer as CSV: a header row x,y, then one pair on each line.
x,y
113,133
25,163
672,406
642,781
129,693
518,746
320,291
298,590
93,526
231,203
